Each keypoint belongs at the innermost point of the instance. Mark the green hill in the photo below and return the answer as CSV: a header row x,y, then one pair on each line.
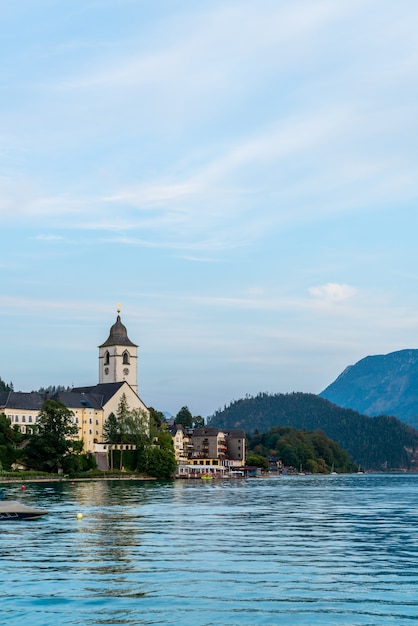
x,y
377,443
312,451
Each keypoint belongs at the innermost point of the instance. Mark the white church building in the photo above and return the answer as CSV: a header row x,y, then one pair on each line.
x,y
91,406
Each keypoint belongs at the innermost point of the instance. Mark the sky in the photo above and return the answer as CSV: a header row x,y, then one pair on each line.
x,y
240,176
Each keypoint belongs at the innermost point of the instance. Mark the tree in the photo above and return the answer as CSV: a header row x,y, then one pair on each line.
x,y
184,417
128,426
55,439
156,417
161,463
198,421
5,387
10,438
255,460
111,430
161,459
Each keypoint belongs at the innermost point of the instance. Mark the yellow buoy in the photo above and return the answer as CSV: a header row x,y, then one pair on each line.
x,y
79,516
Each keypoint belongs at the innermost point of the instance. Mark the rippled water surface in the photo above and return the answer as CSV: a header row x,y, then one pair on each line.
x,y
289,550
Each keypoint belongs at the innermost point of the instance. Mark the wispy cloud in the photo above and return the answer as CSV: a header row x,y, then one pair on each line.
x,y
51,238
333,292
192,48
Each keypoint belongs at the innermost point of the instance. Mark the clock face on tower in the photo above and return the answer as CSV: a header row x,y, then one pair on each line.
x,y
126,371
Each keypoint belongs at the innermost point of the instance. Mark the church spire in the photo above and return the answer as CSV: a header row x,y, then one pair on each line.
x,y
118,335
118,356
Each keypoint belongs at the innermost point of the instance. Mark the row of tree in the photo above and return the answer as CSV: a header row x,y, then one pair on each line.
x,y
153,453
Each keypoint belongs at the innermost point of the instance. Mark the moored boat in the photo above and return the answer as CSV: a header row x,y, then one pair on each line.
x,y
14,510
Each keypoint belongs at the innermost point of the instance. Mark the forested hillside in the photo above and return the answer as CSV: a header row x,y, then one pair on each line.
x,y
311,451
379,443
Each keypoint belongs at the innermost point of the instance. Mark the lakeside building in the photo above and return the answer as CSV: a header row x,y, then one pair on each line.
x,y
209,451
90,405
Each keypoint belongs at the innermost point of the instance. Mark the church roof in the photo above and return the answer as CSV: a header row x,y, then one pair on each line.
x,y
80,400
32,401
118,336
103,390
3,398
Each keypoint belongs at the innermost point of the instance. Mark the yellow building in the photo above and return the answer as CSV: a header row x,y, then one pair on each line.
x,y
91,406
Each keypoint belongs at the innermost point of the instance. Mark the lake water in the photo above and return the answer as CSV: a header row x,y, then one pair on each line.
x,y
290,550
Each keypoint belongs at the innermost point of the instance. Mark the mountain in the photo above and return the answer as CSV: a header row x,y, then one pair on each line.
x,y
378,443
380,384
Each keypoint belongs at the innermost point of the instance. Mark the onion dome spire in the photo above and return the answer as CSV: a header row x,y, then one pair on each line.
x,y
118,334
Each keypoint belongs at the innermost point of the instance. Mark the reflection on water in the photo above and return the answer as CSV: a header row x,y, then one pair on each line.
x,y
291,550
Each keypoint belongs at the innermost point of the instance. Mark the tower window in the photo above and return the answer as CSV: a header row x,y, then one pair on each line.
x,y
106,357
126,358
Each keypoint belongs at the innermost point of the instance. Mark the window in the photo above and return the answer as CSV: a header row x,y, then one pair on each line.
x,y
125,358
16,418
23,418
106,358
90,432
30,418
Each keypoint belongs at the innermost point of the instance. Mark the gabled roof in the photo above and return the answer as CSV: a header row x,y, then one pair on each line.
x,y
206,432
79,400
214,432
94,397
118,336
3,398
32,401
105,391
235,433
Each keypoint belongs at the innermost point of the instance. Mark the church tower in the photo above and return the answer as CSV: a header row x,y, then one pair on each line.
x,y
118,357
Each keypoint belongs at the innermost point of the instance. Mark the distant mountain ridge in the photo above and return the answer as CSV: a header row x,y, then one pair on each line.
x,y
382,384
378,443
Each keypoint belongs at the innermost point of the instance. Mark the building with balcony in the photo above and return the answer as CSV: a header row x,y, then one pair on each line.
x,y
209,450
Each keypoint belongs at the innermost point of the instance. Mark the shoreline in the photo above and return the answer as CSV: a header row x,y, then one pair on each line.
x,y
52,479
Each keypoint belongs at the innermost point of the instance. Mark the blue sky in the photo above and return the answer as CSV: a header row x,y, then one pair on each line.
x,y
240,176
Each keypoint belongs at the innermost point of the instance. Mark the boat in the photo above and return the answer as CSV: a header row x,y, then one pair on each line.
x,y
14,510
